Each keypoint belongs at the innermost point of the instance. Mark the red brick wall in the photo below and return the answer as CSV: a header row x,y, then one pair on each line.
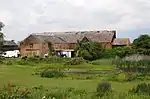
x,y
41,49
64,46
36,49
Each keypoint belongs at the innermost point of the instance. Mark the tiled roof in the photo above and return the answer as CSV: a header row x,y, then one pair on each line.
x,y
73,37
52,39
96,36
121,41
9,43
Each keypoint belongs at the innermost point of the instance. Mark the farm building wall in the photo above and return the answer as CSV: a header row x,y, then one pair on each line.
x,y
30,49
106,45
64,46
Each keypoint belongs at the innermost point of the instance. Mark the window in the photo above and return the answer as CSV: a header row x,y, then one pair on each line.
x,y
31,45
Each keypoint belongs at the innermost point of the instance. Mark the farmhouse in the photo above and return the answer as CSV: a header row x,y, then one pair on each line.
x,y
63,42
121,42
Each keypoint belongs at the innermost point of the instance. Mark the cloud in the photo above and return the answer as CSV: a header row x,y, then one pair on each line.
x,y
5,16
29,16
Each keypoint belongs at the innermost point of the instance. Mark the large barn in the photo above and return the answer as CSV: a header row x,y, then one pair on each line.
x,y
65,42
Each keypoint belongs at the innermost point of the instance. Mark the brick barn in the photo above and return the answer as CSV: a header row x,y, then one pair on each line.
x,y
63,42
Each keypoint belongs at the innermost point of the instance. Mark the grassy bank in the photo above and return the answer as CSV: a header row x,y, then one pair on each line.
x,y
23,75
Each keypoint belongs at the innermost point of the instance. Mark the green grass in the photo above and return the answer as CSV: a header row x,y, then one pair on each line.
x,y
22,75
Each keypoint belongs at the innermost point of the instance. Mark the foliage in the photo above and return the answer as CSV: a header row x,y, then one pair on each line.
x,y
39,92
12,92
140,66
89,50
1,34
142,88
52,73
118,51
75,61
121,77
103,88
142,42
143,51
102,62
1,25
86,55
32,61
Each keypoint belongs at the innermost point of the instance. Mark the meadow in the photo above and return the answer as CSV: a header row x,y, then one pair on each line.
x,y
67,79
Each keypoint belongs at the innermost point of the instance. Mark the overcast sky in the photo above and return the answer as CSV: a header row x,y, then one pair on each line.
x,y
22,17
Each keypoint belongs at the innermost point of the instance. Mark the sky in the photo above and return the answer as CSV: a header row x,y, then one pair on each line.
x,y
129,18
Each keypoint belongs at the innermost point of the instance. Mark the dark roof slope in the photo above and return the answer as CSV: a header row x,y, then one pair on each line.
x,y
121,41
73,37
53,39
96,36
41,38
9,43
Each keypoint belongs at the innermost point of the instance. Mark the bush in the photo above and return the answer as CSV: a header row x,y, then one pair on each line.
x,y
118,51
121,77
26,62
125,77
52,73
131,77
89,50
140,66
86,55
75,61
103,88
142,88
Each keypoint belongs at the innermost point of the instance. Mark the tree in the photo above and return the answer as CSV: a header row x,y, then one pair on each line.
x,y
1,25
1,35
118,51
88,50
142,42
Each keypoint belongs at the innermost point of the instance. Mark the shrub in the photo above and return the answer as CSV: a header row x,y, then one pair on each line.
x,y
103,88
142,88
89,50
121,77
140,66
86,55
131,76
9,62
25,57
52,73
26,62
118,51
75,61
125,77
13,92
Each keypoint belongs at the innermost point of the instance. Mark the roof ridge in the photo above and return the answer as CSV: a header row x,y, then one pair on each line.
x,y
60,38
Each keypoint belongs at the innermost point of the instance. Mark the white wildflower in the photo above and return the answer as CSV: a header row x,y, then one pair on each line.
x,y
43,97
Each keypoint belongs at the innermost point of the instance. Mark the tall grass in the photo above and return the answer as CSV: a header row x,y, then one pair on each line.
x,y
33,61
140,66
39,92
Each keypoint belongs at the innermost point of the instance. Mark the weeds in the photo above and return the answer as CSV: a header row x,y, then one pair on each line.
x,y
103,89
52,73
